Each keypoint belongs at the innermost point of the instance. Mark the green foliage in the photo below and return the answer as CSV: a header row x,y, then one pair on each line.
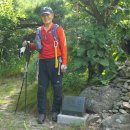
x,y
10,62
74,80
90,44
97,36
58,7
11,67
7,15
8,22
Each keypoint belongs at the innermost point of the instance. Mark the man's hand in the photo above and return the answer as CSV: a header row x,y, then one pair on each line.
x,y
63,68
24,43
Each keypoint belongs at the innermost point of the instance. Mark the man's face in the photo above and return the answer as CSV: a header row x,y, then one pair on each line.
x,y
47,18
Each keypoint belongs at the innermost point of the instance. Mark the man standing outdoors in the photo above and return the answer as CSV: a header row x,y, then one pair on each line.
x,y
50,69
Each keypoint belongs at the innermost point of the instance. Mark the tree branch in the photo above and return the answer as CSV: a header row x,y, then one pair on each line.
x,y
99,17
109,9
20,26
93,10
89,12
115,2
86,2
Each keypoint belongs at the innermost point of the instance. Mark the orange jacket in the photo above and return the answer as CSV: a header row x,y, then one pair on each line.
x,y
48,44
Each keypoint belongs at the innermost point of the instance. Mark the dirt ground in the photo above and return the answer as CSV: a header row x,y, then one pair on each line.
x,y
9,120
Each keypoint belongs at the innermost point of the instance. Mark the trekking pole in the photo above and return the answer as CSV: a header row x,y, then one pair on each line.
x,y
28,53
26,87
20,93
26,71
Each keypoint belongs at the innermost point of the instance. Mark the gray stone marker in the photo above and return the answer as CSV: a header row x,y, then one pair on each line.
x,y
73,105
73,111
72,120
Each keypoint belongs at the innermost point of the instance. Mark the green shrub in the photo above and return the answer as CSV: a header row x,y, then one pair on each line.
x,y
74,80
12,67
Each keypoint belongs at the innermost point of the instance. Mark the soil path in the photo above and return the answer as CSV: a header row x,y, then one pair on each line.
x,y
9,120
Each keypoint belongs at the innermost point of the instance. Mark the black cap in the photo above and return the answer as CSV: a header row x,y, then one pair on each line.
x,y
46,10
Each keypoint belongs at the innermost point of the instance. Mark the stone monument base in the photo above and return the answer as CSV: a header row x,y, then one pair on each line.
x,y
72,120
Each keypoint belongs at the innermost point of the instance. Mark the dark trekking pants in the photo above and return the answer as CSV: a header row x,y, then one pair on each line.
x,y
47,73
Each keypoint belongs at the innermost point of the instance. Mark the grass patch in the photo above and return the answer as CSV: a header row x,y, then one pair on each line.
x,y
21,121
8,89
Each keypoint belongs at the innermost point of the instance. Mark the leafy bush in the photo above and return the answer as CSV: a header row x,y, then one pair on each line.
x,y
11,68
74,80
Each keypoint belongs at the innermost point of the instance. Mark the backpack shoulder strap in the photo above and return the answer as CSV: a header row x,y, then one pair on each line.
x,y
39,29
54,32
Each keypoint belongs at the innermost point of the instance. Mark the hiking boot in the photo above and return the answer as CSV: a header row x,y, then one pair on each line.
x,y
54,116
41,118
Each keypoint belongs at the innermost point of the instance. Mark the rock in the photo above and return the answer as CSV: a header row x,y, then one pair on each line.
x,y
125,98
116,122
128,69
103,99
110,111
115,111
127,74
127,63
105,115
116,108
122,73
119,85
123,94
119,80
112,102
128,88
95,88
52,127
128,94
128,81
127,110
125,84
104,111
124,90
126,105
122,111
119,103
92,118
99,120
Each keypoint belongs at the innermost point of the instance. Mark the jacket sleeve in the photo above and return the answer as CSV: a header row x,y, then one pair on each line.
x,y
32,46
62,44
